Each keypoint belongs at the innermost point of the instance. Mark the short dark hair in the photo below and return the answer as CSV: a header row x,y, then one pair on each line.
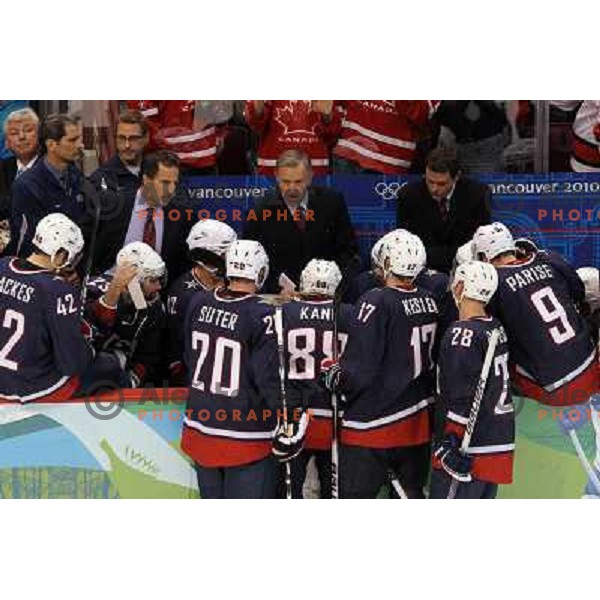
x,y
53,127
442,160
160,157
134,117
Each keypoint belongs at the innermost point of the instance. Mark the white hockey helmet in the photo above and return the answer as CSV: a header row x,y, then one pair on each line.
x,y
57,232
147,261
211,235
591,281
320,277
405,256
380,250
493,240
480,280
247,259
465,253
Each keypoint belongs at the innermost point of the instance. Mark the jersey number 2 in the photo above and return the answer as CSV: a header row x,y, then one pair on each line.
x,y
18,319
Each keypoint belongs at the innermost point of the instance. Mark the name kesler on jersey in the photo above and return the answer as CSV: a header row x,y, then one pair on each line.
x,y
419,305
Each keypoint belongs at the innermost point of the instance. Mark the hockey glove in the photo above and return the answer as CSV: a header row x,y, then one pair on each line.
x,y
454,462
525,247
330,374
289,438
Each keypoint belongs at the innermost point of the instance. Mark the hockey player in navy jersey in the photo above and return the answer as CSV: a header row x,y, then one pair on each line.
x,y
208,242
433,281
553,357
308,325
44,354
474,469
231,425
127,313
386,375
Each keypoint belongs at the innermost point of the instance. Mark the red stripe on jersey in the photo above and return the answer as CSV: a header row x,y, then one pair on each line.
x,y
586,152
63,393
493,468
411,431
214,451
106,315
319,434
575,392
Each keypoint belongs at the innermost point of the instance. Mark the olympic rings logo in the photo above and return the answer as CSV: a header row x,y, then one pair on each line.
x,y
388,191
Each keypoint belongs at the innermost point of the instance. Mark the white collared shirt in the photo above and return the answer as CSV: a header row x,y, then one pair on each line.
x,y
303,203
21,167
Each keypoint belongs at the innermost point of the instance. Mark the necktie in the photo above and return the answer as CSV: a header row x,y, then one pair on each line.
x,y
301,222
149,236
444,208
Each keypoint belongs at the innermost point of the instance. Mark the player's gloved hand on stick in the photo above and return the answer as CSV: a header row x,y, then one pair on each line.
x,y
330,374
454,462
289,437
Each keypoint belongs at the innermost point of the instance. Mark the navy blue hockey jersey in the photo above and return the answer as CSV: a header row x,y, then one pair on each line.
x,y
550,342
308,326
180,293
42,349
138,332
462,353
231,356
387,369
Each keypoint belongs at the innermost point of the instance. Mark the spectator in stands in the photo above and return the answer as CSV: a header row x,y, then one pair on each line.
x,y
21,138
299,221
174,126
585,149
478,130
380,136
155,215
52,184
444,208
308,125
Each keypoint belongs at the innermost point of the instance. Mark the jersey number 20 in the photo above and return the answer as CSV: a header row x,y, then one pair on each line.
x,y
218,384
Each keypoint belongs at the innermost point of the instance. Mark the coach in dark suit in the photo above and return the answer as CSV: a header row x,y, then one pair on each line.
x,y
444,209
298,222
154,214
21,130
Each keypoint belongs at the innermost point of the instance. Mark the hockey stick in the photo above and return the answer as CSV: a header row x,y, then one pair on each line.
x,y
278,322
477,399
95,197
585,463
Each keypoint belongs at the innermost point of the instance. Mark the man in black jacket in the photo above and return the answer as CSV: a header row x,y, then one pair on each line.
x,y
53,184
154,212
299,222
444,209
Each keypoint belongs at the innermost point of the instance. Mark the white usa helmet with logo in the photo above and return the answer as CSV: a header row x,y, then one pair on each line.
x,y
492,240
406,256
211,235
247,259
320,277
480,280
148,262
57,232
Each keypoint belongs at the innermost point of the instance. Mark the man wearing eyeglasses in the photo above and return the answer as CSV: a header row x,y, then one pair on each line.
x,y
121,173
